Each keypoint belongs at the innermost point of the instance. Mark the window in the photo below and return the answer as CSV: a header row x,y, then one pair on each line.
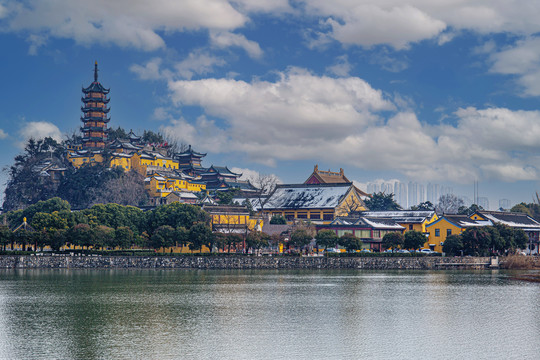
x,y
376,234
315,216
448,232
437,232
302,215
410,226
362,233
328,217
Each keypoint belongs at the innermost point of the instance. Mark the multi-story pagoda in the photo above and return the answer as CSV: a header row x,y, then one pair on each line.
x,y
94,129
190,158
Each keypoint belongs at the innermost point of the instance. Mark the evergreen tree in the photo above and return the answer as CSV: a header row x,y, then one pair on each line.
x,y
382,202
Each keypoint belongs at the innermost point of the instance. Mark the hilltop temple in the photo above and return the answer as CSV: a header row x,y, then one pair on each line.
x,y
168,175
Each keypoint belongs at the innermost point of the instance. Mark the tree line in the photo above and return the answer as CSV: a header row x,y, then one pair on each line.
x,y
498,239
52,223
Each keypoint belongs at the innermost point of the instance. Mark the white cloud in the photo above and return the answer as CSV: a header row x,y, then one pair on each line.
x,y
143,25
369,25
36,41
150,71
3,11
301,116
372,22
38,130
127,23
522,60
160,113
253,175
198,62
342,67
265,6
3,134
224,39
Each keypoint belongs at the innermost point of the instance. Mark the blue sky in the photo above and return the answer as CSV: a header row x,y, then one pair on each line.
x,y
443,92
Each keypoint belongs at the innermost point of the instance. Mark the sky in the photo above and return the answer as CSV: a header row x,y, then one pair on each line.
x,y
444,92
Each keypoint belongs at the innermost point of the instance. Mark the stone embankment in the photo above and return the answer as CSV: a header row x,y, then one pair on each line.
x,y
241,262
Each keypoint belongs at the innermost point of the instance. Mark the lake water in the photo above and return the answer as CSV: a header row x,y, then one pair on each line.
x,y
184,314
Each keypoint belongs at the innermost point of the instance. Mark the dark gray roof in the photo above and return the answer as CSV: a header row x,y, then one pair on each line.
x,y
404,216
516,220
306,196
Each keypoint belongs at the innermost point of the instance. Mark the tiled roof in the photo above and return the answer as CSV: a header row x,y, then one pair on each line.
x,y
405,216
190,152
303,196
517,220
462,221
374,223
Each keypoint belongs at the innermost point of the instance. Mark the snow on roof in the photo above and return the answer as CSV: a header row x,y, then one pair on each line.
x,y
186,195
375,223
122,155
305,196
460,220
405,216
255,202
378,224
514,220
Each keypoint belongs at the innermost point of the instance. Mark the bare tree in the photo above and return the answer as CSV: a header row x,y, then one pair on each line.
x,y
265,184
125,190
448,204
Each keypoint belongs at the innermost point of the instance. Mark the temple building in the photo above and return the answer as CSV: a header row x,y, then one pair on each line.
x,y
327,177
95,112
330,177
318,203
370,230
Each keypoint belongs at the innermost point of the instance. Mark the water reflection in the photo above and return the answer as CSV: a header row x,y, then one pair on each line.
x,y
167,314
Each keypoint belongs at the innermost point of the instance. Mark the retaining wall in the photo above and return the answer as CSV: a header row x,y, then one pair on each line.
x,y
241,262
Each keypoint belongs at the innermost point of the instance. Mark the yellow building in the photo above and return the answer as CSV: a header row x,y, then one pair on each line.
x,y
144,161
162,184
121,160
232,219
445,226
318,203
84,157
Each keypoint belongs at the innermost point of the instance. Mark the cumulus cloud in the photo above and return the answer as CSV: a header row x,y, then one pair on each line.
x,y
302,116
198,62
369,23
254,176
144,25
342,67
523,61
3,134
149,71
225,39
38,130
127,23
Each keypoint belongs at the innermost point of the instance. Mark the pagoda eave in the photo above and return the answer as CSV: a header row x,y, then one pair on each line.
x,y
95,128
86,119
95,109
92,99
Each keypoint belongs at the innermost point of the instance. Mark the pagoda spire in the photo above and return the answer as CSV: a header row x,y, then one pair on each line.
x,y
95,72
